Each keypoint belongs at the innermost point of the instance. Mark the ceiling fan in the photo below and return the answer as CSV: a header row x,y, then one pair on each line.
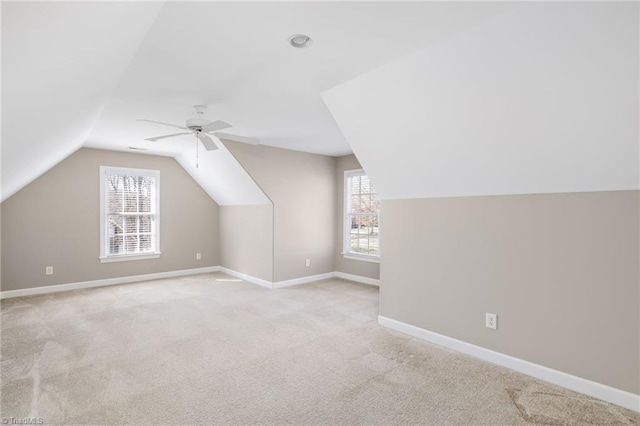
x,y
202,129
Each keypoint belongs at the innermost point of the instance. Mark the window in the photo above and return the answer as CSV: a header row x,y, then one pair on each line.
x,y
362,214
129,214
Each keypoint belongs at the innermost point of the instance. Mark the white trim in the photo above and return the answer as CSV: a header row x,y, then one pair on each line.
x,y
346,207
362,257
303,280
105,170
357,278
575,383
105,282
247,278
170,274
346,226
126,257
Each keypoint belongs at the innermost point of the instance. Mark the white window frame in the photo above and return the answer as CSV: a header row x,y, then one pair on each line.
x,y
105,257
346,229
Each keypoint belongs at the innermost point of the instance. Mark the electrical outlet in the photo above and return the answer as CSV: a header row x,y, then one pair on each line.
x,y
198,256
307,262
48,270
491,321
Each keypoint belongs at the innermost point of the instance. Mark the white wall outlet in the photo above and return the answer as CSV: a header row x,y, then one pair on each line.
x,y
491,321
48,270
307,262
198,256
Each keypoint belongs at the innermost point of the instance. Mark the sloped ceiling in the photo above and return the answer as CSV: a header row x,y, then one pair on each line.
x,y
80,74
543,99
60,64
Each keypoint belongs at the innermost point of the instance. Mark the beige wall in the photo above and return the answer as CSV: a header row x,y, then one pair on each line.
x,y
348,266
302,189
1,247
246,240
560,270
55,221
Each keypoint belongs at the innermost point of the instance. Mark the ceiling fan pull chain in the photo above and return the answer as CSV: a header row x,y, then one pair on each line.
x,y
197,153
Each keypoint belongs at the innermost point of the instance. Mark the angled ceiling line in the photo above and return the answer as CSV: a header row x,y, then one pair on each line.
x,y
125,70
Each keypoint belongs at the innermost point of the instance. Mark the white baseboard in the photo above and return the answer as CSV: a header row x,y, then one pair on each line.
x,y
303,280
170,274
277,284
357,278
247,278
575,383
104,282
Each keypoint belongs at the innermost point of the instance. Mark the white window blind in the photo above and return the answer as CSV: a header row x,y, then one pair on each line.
x,y
362,213
129,213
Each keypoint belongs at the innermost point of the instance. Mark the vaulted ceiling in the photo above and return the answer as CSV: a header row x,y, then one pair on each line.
x,y
542,99
80,73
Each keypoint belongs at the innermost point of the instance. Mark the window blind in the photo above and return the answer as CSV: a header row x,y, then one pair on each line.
x,y
130,211
362,212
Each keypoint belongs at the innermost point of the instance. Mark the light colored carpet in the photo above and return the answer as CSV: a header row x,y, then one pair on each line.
x,y
206,350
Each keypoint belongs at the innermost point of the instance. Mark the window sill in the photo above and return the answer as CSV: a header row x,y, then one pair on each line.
x,y
362,257
126,257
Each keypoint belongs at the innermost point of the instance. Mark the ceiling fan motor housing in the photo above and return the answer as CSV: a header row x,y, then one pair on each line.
x,y
197,123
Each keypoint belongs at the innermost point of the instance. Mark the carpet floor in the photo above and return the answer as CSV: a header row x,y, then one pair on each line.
x,y
208,349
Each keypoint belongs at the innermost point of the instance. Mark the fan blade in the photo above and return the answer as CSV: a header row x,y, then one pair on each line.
x,y
165,136
243,139
216,125
160,122
208,143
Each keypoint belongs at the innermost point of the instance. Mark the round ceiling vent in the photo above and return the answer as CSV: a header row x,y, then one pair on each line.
x,y
300,41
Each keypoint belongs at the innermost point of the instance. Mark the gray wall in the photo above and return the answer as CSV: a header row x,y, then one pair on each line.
x,y
560,270
246,240
302,189
55,220
348,266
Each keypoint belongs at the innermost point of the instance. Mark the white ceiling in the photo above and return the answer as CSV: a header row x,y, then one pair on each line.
x,y
60,62
543,99
235,58
80,74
